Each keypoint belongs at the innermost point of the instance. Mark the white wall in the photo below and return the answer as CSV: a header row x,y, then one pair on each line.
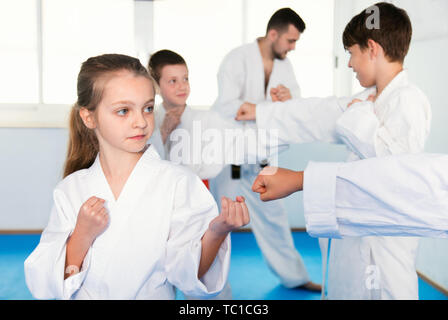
x,y
428,67
30,167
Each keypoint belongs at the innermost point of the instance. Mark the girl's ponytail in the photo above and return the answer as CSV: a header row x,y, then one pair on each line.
x,y
82,144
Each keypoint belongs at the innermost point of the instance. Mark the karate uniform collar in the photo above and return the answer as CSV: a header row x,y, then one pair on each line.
x,y
99,178
400,80
149,153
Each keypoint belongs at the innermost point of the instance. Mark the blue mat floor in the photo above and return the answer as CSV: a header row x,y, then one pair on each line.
x,y
250,277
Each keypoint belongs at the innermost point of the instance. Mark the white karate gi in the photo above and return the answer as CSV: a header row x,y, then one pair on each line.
x,y
152,243
398,122
241,78
404,195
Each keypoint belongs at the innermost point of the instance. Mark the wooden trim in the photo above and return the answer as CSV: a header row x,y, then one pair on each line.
x,y
432,283
37,231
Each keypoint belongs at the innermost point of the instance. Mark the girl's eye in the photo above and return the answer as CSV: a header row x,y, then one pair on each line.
x,y
149,109
171,81
186,79
122,112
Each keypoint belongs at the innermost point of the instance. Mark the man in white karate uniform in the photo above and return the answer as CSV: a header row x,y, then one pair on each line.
x,y
374,196
254,73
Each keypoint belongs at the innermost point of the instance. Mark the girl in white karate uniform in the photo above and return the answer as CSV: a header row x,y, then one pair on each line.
x,y
125,224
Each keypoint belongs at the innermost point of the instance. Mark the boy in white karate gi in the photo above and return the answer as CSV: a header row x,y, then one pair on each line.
x,y
181,130
254,73
126,224
392,116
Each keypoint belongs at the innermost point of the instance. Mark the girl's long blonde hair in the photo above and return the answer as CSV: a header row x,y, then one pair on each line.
x,y
83,144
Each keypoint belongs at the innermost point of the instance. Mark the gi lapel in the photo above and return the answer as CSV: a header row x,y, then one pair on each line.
x,y
123,208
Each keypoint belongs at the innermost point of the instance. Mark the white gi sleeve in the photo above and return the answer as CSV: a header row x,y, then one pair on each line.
x,y
45,267
404,131
302,120
193,211
231,79
404,195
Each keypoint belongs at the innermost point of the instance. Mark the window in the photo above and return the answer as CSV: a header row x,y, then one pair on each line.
x,y
44,42
203,32
18,52
76,30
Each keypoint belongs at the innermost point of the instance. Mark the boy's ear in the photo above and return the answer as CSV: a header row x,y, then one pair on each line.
x,y
88,118
374,48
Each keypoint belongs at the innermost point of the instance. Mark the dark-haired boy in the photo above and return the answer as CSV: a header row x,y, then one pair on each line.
x,y
392,116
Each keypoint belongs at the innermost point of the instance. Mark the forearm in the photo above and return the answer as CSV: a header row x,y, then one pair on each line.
x,y
211,242
77,248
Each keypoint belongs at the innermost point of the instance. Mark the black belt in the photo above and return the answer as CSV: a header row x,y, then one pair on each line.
x,y
236,170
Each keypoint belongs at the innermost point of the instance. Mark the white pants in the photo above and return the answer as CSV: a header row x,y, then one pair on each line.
x,y
372,268
269,223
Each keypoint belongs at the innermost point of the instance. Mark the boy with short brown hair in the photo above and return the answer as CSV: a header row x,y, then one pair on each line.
x,y
392,116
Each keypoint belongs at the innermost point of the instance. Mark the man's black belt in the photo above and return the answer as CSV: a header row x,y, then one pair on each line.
x,y
236,170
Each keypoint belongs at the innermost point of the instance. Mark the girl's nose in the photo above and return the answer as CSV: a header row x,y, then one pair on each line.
x,y
139,121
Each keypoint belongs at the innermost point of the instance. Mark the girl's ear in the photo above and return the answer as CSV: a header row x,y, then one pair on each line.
x,y
88,118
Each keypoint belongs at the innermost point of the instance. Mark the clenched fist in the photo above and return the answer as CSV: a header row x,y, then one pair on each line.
x,y
275,183
280,93
246,112
93,218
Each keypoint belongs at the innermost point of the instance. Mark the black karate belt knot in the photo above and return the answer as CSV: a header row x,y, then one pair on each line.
x,y
236,172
